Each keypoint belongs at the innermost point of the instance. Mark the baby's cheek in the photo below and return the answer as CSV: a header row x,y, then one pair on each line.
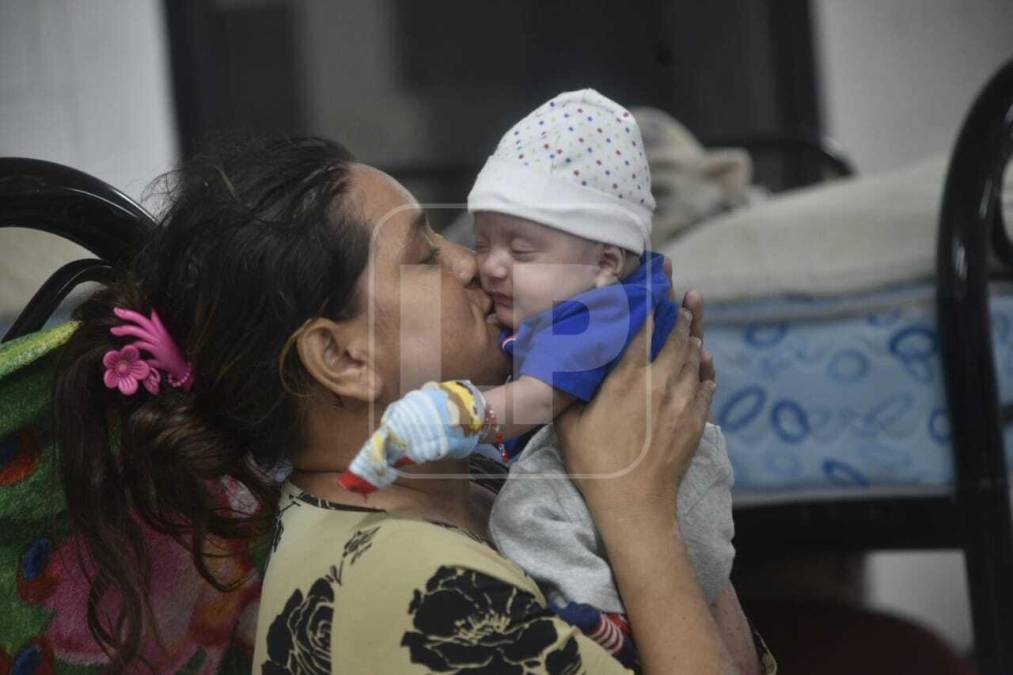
x,y
546,285
533,290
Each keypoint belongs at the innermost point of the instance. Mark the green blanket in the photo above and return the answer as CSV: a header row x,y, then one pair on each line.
x,y
42,589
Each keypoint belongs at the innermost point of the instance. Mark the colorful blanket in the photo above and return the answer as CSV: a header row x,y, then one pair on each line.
x,y
42,589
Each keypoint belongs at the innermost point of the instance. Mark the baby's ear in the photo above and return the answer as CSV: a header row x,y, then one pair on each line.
x,y
611,260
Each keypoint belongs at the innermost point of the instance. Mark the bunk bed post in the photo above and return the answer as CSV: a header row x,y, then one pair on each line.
x,y
970,201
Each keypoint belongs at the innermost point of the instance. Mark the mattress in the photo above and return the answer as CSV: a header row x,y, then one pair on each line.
x,y
841,397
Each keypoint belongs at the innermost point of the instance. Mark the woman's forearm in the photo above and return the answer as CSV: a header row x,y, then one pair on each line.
x,y
671,622
735,631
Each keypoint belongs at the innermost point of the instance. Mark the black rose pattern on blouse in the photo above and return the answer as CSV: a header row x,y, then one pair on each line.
x,y
279,529
299,639
357,544
467,623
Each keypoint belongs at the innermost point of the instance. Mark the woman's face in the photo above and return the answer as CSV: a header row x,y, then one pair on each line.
x,y
430,318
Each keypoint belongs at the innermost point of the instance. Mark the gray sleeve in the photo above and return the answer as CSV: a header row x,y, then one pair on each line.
x,y
705,513
540,521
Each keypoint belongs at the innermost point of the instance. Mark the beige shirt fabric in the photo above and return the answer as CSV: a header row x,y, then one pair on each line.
x,y
351,590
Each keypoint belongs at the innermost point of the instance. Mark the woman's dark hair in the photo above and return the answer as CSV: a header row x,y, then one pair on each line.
x,y
256,239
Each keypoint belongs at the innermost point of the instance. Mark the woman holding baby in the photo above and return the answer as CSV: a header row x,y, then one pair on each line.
x,y
289,297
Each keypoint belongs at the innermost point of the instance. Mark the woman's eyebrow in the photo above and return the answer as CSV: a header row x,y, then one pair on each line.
x,y
416,231
418,227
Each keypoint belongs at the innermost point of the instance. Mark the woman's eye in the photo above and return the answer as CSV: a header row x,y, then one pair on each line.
x,y
433,258
521,253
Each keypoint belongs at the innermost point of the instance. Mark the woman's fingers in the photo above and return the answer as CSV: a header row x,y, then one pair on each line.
x,y
673,353
707,371
702,400
667,266
690,372
638,354
693,301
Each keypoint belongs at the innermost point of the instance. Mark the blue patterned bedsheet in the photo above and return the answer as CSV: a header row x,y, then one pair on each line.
x,y
825,395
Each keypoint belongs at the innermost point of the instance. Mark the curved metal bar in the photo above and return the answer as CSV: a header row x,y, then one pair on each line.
x,y
57,287
1000,237
966,227
69,203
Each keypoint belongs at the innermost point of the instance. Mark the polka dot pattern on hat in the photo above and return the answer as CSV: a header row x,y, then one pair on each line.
x,y
576,164
588,137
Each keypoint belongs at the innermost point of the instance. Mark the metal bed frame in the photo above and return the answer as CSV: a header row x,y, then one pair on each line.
x,y
71,204
975,518
970,220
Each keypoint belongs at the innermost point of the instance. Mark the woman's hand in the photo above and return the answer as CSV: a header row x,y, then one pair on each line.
x,y
628,449
693,301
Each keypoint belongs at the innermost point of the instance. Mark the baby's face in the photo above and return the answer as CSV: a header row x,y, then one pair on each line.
x,y
527,267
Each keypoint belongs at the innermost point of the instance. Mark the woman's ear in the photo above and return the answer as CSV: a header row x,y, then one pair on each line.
x,y
337,357
611,260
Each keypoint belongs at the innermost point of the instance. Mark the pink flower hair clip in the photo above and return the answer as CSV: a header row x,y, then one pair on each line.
x,y
125,368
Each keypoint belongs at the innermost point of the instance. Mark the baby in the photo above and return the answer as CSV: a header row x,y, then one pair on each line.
x,y
562,220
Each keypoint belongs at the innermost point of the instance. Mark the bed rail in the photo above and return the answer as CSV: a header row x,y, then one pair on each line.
x,y
66,202
969,222
57,199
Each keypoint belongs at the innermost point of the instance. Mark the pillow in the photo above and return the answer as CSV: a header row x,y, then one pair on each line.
x,y
855,234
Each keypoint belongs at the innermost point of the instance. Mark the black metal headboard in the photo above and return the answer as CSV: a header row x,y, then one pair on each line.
x,y
57,199
971,220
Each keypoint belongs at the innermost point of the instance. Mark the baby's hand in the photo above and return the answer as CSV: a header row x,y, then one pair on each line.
x,y
438,421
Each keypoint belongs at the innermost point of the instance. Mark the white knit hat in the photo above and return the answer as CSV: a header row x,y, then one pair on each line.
x,y
576,164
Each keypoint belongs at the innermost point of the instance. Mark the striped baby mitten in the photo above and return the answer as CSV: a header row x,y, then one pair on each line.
x,y
439,421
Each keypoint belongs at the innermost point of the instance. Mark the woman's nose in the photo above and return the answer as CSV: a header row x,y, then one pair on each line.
x,y
460,261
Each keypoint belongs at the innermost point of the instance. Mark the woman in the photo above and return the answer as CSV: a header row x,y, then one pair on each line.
x,y
299,291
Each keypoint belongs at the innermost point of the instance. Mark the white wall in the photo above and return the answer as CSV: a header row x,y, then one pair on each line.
x,y
358,100
87,84
898,77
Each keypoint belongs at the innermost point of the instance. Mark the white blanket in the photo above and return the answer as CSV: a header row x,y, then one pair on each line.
x,y
852,235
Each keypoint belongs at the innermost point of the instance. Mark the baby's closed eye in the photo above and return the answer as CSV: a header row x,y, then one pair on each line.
x,y
521,250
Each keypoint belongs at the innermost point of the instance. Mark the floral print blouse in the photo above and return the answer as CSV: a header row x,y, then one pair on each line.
x,y
356,590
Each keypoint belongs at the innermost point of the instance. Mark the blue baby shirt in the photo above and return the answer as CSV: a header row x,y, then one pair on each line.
x,y
574,345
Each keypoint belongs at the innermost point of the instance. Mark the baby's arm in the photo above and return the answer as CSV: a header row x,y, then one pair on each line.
x,y
447,419
522,405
